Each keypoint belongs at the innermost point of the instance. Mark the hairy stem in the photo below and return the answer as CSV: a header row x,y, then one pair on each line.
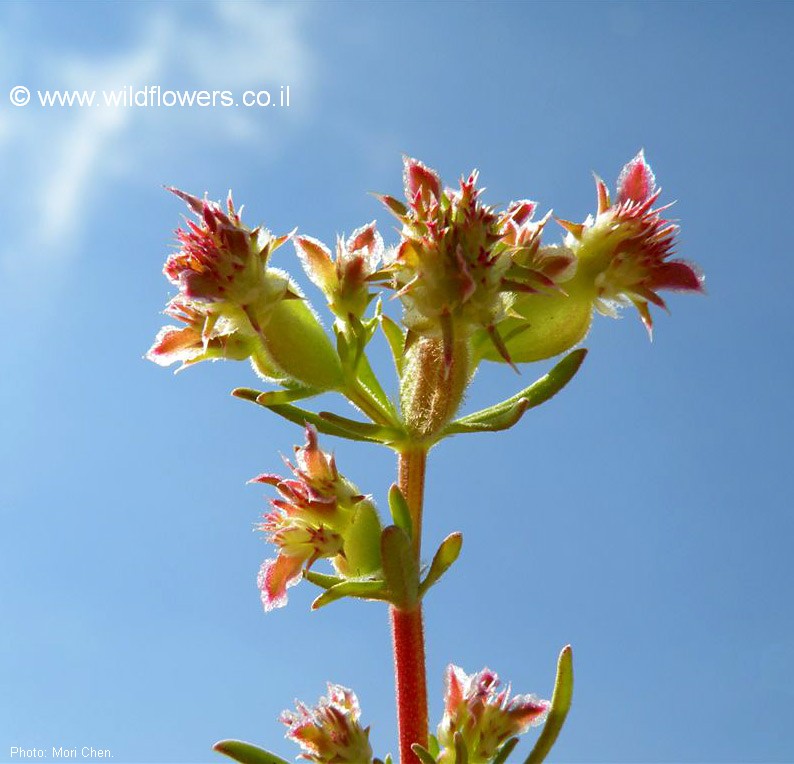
x,y
407,627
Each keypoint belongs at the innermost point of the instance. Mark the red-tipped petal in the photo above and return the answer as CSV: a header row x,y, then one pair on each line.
x,y
636,181
419,178
275,576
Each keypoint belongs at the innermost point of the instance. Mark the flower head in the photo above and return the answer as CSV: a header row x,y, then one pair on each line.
x,y
310,520
625,250
330,733
460,262
220,260
485,716
345,279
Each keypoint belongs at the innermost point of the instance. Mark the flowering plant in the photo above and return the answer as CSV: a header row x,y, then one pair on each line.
x,y
475,284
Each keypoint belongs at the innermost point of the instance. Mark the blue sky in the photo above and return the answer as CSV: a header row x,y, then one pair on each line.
x,y
645,516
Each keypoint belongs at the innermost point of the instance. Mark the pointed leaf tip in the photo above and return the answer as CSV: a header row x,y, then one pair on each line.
x,y
246,753
560,705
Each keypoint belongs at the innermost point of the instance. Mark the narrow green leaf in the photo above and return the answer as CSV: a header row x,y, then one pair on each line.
x,y
505,751
502,420
433,746
447,554
367,377
246,753
274,397
538,392
560,705
302,416
400,512
323,580
461,752
367,590
423,754
396,339
399,566
379,433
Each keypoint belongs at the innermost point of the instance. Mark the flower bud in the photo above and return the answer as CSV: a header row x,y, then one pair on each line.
x,y
344,280
330,733
484,716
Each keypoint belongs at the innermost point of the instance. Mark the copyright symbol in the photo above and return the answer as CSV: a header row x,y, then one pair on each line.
x,y
19,96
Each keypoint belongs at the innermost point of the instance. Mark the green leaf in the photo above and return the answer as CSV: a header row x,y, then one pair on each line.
x,y
508,412
323,580
424,756
367,590
367,378
501,420
396,339
560,705
399,567
400,512
433,746
275,397
378,433
447,554
302,417
246,753
505,751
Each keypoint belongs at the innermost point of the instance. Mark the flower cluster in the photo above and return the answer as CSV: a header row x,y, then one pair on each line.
x,y
330,733
619,256
226,290
459,261
483,715
314,518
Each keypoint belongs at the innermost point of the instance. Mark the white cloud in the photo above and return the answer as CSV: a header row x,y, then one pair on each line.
x,y
59,157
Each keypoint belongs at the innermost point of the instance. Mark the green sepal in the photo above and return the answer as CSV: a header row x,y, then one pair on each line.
x,y
323,580
505,751
387,760
246,753
446,554
508,412
424,756
396,339
302,417
365,590
461,752
400,512
275,397
560,705
399,567
361,549
378,433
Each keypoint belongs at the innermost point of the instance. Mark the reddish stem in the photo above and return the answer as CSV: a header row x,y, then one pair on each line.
x,y
407,628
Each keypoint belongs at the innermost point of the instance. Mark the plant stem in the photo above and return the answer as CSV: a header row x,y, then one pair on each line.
x,y
407,627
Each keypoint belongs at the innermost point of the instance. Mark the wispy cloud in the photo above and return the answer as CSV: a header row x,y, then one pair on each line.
x,y
58,159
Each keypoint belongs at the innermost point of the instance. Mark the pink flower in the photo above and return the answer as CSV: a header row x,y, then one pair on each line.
x,y
219,259
626,248
206,336
330,733
485,716
308,522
